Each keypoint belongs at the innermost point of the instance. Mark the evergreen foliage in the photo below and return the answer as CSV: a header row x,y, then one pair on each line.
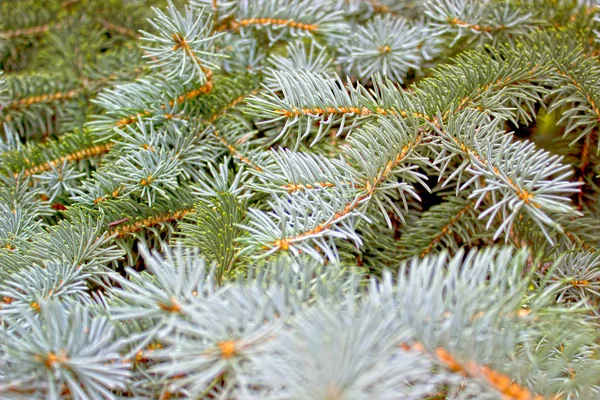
x,y
300,199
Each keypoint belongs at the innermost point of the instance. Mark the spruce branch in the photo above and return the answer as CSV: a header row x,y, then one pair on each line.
x,y
184,44
35,100
447,225
32,288
159,296
516,174
574,278
213,228
79,241
80,144
494,21
297,219
150,99
146,223
577,97
235,134
64,353
297,18
389,46
296,171
314,58
32,31
307,98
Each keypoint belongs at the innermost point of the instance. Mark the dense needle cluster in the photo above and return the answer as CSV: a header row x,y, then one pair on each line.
x,y
299,199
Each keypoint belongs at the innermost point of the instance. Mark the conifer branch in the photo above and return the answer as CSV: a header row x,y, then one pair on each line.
x,y
236,25
498,381
30,31
583,114
438,226
131,228
343,210
483,20
203,89
279,18
231,105
44,98
79,155
234,152
185,43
